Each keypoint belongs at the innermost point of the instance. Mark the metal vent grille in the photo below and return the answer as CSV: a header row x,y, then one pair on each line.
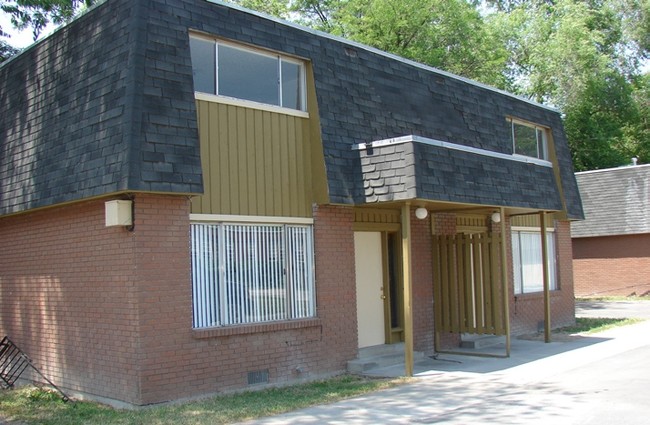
x,y
258,377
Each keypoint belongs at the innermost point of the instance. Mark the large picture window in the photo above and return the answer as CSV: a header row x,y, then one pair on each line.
x,y
529,140
228,70
527,261
248,273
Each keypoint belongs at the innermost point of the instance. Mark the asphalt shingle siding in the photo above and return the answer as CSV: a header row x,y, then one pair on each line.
x,y
616,202
63,105
92,110
131,122
450,175
417,170
388,173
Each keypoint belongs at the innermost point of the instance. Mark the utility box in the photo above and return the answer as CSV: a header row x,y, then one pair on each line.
x,y
118,213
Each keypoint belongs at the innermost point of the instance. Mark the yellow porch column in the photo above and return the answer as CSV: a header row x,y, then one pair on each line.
x,y
547,294
408,291
504,280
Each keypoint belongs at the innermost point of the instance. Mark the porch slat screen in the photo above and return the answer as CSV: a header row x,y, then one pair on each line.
x,y
245,274
467,285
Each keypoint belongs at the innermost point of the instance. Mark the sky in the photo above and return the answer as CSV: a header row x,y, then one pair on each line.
x,y
19,39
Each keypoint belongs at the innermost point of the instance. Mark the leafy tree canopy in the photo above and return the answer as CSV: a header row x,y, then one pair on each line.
x,y
37,14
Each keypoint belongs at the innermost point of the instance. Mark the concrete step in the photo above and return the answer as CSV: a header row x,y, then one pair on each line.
x,y
379,356
473,341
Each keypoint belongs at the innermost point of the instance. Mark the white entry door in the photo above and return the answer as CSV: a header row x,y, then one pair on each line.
x,y
370,280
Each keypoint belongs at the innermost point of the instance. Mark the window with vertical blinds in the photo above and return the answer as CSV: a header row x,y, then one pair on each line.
x,y
527,261
251,273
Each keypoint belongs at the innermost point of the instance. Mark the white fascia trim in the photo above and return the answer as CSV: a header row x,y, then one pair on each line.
x,y
621,168
454,146
255,219
380,52
531,229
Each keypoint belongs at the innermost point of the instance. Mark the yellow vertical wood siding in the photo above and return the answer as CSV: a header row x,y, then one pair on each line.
x,y
255,162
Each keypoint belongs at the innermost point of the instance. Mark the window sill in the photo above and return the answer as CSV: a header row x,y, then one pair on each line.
x,y
533,160
255,328
532,295
249,104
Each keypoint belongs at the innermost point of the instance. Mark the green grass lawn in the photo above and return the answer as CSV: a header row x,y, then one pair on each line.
x,y
591,325
614,298
30,405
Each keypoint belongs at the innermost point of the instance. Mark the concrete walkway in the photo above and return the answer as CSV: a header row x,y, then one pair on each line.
x,y
540,383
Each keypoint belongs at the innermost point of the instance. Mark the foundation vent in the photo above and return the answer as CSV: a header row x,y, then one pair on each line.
x,y
258,377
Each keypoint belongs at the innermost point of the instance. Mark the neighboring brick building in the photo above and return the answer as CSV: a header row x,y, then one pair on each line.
x,y
288,198
611,247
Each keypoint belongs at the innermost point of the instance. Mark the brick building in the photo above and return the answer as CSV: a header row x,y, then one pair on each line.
x,y
287,199
611,247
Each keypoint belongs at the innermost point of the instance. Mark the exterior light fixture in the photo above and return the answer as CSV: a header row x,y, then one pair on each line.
x,y
421,213
118,213
496,217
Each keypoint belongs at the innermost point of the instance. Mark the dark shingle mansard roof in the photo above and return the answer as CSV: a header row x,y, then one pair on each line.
x,y
413,167
125,119
97,108
616,202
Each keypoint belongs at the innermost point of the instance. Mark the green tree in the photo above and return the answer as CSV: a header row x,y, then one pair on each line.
x,y
584,57
594,124
319,14
6,51
448,34
37,14
279,8
636,131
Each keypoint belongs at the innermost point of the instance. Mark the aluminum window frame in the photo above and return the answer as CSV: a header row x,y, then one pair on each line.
x,y
519,276
541,138
280,59
232,284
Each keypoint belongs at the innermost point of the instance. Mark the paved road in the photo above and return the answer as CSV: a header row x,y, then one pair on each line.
x,y
604,379
613,309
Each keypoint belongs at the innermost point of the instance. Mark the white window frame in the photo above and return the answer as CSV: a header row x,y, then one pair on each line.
x,y
531,280
251,270
541,138
251,103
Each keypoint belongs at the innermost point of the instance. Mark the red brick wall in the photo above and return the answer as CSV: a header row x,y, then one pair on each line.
x,y
527,310
422,284
107,312
178,362
612,265
68,297
336,285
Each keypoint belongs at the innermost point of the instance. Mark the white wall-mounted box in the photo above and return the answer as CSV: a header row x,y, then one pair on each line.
x,y
118,213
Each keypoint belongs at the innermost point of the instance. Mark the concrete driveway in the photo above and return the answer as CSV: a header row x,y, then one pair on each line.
x,y
599,379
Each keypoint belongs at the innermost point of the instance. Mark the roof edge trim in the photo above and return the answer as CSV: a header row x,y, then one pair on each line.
x,y
452,146
380,52
621,168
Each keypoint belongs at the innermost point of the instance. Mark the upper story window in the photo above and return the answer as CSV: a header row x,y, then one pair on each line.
x,y
226,69
529,140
